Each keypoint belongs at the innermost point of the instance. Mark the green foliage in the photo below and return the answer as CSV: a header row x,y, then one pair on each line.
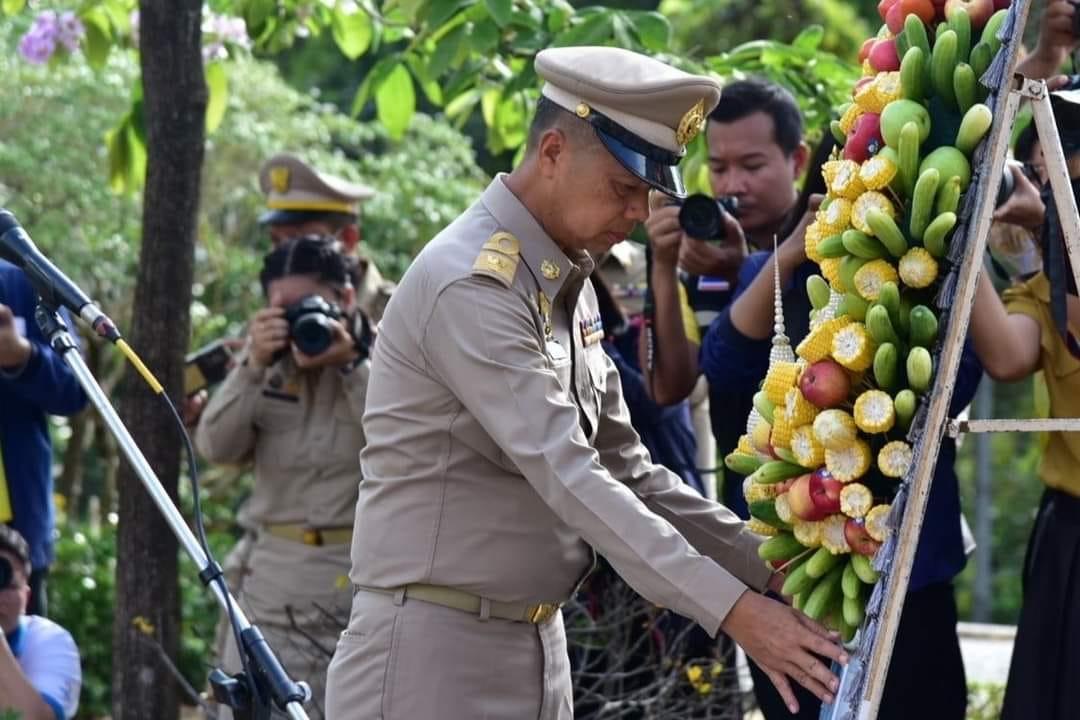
x,y
984,701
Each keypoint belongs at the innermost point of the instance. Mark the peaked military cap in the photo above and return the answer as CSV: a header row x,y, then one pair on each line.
x,y
294,189
644,111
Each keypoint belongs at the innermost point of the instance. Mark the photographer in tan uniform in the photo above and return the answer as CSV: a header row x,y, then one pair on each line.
x,y
500,454
293,405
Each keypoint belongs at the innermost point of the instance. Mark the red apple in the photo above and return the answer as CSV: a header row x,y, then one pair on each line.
x,y
1002,4
883,57
894,19
860,540
864,139
825,384
825,492
801,501
978,10
864,51
883,8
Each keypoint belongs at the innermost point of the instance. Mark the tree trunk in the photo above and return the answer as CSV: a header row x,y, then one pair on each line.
x,y
147,599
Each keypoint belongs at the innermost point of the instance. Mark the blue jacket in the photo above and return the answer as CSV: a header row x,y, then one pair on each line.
x,y
44,386
730,359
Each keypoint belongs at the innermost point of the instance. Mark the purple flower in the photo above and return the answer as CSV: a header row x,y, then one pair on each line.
x,y
36,48
70,30
39,43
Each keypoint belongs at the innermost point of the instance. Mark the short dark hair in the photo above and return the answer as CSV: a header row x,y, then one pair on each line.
x,y
334,220
316,255
746,97
550,115
13,543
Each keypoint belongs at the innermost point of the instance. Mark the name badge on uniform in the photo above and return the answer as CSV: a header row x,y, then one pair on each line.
x,y
556,352
712,284
592,330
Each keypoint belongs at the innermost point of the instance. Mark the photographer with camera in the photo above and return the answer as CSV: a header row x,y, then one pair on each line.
x,y
293,404
40,676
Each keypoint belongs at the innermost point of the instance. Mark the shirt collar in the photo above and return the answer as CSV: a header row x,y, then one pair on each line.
x,y
549,265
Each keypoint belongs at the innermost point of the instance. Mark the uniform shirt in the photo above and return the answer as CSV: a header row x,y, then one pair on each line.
x,y
500,448
1061,369
49,659
303,430
44,386
730,359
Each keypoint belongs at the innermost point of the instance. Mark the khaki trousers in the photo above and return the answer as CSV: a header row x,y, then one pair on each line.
x,y
411,660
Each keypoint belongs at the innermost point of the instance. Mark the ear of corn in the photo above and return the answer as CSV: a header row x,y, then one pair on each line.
x,y
853,347
850,462
874,412
800,411
833,537
808,451
865,202
856,500
834,429
847,120
876,522
877,172
871,276
842,178
808,532
894,459
779,379
760,527
918,268
781,431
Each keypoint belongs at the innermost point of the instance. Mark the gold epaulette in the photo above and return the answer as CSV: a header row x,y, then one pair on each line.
x,y
498,258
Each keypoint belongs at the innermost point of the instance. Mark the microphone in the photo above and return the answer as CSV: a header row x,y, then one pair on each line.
x,y
54,287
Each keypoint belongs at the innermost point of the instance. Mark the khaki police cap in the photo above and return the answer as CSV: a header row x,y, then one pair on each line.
x,y
644,111
293,187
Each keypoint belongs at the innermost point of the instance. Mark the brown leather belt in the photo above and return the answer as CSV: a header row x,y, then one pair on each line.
x,y
309,535
535,613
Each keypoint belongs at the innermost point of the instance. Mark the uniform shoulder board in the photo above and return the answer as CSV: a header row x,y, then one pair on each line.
x,y
499,258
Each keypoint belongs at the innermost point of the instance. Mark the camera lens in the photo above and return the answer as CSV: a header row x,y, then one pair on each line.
x,y
700,217
1008,184
312,333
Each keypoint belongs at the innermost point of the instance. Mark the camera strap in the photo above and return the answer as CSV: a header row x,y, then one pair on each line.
x,y
6,513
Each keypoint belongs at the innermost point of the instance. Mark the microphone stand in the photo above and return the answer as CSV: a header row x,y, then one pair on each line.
x,y
251,698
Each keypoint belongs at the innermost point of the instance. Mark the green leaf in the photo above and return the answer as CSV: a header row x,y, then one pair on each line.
x,y
462,104
409,9
431,89
622,26
352,32
442,10
810,38
484,37
447,52
13,7
256,13
489,103
372,80
395,100
653,29
217,83
98,38
594,30
500,10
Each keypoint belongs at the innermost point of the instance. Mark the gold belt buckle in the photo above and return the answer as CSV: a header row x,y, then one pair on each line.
x,y
541,612
312,536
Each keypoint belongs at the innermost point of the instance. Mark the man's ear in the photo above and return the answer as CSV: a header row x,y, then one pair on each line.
x,y
350,237
801,156
551,151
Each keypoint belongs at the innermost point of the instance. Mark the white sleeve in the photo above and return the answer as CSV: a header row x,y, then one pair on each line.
x,y
50,661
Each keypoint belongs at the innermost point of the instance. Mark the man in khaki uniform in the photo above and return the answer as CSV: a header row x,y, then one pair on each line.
x,y
298,418
300,200
500,454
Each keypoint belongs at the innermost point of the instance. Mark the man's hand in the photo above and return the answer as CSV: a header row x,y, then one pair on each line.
x,y
1056,36
341,351
1024,207
269,333
665,233
14,348
193,407
716,259
785,644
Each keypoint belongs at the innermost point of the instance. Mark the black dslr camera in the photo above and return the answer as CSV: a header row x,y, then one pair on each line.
x,y
7,573
310,326
702,217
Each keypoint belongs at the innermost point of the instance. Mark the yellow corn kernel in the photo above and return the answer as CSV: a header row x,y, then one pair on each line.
x,y
867,68
856,500
871,276
877,522
853,347
806,448
808,532
894,459
834,429
800,411
778,380
781,431
811,239
830,270
849,463
783,509
866,201
874,96
877,172
836,218
760,527
745,446
754,491
918,268
818,342
847,120
833,537
874,412
842,178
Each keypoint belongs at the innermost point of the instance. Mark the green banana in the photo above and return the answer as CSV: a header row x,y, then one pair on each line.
x,y
779,547
765,511
817,289
943,65
847,632
904,327
848,267
980,58
864,569
913,75
821,562
777,471
764,406
973,127
902,45
960,23
904,404
823,593
831,247
854,611
924,326
885,230
907,152
798,601
965,87
916,35
889,298
937,231
742,463
879,326
991,30
849,581
786,455
920,369
948,197
922,201
886,365
854,306
862,245
797,581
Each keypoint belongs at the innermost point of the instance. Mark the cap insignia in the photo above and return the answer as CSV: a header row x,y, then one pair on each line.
x,y
691,123
279,179
550,270
583,110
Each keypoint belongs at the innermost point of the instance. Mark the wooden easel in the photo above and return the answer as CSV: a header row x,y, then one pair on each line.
x,y
863,680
